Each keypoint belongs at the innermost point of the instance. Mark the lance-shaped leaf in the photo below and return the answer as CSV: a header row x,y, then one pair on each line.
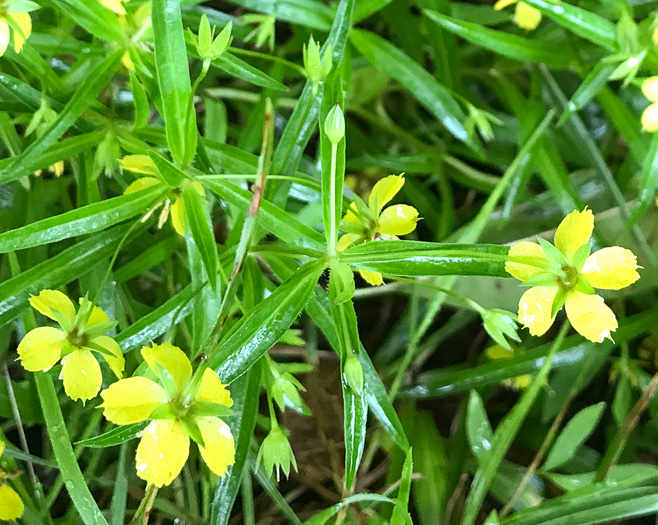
x,y
197,220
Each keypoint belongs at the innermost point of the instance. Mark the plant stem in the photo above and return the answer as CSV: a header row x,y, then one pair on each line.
x,y
332,239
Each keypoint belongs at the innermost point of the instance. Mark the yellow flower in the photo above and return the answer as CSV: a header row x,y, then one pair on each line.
x,y
650,115
565,274
21,27
11,506
114,5
525,16
183,406
144,164
80,336
497,352
374,222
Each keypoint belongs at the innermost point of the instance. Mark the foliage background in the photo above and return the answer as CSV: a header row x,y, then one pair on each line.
x,y
500,132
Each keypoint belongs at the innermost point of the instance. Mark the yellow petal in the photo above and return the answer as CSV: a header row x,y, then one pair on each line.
x,y
590,316
4,36
347,240
398,220
372,278
132,400
502,4
114,5
81,374
172,358
162,452
49,300
611,268
212,390
98,316
116,361
127,62
384,191
535,309
57,168
351,215
523,381
199,188
24,22
527,250
527,17
177,216
650,118
41,348
11,506
2,447
139,164
650,88
219,451
574,231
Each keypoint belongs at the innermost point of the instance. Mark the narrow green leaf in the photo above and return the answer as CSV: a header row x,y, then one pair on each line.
x,y
95,18
256,333
436,98
355,417
240,69
512,46
574,434
580,22
141,103
648,183
81,221
244,392
169,173
174,79
323,517
113,437
23,164
592,84
197,220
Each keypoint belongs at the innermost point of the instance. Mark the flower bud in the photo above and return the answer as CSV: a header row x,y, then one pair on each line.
x,y
317,69
208,47
500,324
334,125
353,372
276,452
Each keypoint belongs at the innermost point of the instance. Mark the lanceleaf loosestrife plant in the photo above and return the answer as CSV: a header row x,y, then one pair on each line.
x,y
248,324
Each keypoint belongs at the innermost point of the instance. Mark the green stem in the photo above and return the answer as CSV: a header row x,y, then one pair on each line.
x,y
332,240
61,443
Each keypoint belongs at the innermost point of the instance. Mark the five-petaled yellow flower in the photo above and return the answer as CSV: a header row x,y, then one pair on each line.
x,y
369,223
11,505
184,406
565,274
19,22
525,16
80,336
144,164
650,115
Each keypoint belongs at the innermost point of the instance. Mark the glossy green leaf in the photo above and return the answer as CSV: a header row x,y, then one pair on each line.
x,y
95,18
240,69
170,174
580,21
23,164
62,268
113,437
415,258
174,79
200,228
355,417
244,392
435,97
574,434
323,517
648,183
506,44
592,84
81,221
256,333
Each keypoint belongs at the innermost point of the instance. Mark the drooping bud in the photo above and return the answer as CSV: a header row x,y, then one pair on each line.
x,y
334,125
500,325
276,452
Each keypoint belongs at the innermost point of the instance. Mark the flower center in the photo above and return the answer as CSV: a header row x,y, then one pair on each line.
x,y
77,337
570,278
181,406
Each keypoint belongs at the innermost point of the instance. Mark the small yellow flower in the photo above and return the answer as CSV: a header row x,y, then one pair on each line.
x,y
566,275
20,24
143,164
497,352
11,505
183,406
79,336
374,222
650,115
114,5
525,16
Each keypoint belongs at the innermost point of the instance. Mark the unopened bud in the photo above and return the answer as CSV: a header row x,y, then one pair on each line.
x,y
317,69
334,125
353,372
